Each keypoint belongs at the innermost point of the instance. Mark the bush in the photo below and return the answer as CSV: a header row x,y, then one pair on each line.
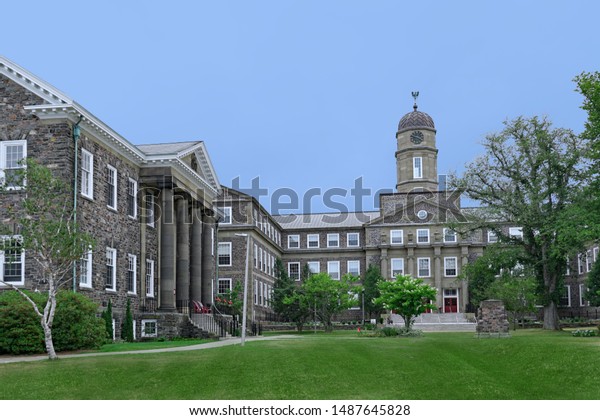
x,y
584,333
20,328
76,325
389,331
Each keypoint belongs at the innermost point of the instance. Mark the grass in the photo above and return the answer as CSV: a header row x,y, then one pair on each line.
x,y
146,345
530,365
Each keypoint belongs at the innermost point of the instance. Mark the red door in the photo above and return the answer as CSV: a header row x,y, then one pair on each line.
x,y
450,305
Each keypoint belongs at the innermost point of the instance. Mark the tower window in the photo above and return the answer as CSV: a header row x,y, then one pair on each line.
x,y
417,167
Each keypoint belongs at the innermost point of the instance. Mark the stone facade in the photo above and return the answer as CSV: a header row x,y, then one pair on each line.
x,y
492,319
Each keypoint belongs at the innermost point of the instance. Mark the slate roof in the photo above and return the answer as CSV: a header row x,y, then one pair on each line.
x,y
325,220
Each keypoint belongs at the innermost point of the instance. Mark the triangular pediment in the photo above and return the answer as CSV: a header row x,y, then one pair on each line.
x,y
415,208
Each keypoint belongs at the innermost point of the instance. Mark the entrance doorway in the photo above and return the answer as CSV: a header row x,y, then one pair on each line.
x,y
450,300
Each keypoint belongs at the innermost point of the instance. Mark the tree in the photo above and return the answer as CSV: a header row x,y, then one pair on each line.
x,y
232,301
529,176
325,296
518,293
593,285
371,291
407,296
49,234
287,300
127,327
108,321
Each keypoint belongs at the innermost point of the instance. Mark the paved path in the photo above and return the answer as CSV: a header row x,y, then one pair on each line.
x,y
212,344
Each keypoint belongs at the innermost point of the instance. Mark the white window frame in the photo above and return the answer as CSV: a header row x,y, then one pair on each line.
x,y
580,265
396,267
87,174
595,251
255,291
111,172
150,209
515,232
353,262
293,238
3,157
582,291
255,256
221,245
224,280
290,264
310,237
446,266
348,240
132,183
446,233
419,241
333,237
316,265
3,262
113,263
132,271
428,273
589,262
85,264
145,322
334,274
226,216
568,288
396,237
492,237
417,167
149,278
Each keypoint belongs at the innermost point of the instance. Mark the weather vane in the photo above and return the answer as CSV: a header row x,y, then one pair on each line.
x,y
415,95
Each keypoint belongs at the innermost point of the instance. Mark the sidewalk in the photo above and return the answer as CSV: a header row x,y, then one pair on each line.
x,y
219,343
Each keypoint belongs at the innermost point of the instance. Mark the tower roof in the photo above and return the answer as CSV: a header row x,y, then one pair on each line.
x,y
415,119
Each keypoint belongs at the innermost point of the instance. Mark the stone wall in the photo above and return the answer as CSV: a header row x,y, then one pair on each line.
x,y
492,319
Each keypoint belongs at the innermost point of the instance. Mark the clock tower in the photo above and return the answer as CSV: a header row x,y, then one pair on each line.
x,y
416,152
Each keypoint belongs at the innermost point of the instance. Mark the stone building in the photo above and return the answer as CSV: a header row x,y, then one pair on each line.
x,y
149,208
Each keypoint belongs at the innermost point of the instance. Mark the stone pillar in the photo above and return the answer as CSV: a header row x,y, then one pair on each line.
x,y
167,251
410,263
209,251
196,257
385,269
465,284
183,254
438,276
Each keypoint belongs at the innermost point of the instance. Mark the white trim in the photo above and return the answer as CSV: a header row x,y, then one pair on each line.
x,y
132,268
446,268
357,239
111,261
3,262
568,288
226,214
396,234
428,274
582,291
222,245
149,278
337,240
589,262
595,250
290,271
87,174
310,237
492,237
515,232
132,182
111,172
400,269
330,271
418,168
418,236
317,266
86,261
224,279
149,206
357,262
297,237
3,157
145,322
445,233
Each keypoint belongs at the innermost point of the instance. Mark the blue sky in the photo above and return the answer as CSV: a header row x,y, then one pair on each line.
x,y
308,94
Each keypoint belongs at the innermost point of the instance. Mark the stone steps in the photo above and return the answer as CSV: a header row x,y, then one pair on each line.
x,y
439,322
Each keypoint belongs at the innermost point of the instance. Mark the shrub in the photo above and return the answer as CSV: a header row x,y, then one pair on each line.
x,y
127,327
20,328
389,331
108,325
584,333
76,325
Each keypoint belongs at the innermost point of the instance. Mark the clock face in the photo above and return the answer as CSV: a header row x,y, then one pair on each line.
x,y
417,137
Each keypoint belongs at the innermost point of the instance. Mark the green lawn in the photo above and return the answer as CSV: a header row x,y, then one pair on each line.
x,y
147,345
530,365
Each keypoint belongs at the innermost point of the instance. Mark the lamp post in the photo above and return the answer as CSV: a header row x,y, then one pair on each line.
x,y
245,303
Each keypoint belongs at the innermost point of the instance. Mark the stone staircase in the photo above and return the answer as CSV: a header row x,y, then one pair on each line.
x,y
440,322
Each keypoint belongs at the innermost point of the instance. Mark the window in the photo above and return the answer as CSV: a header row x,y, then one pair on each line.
x,y
449,236
293,241
255,292
397,267
333,269
260,293
580,264
565,299
424,269
131,273
255,256
422,236
314,267
354,268
492,237
515,232
224,286
149,328
111,187
224,254
111,269
12,261
150,209
149,278
417,167
131,198
396,237
353,239
589,261
582,291
85,270
87,174
333,240
312,240
12,155
595,254
226,215
450,267
294,270
568,271
265,261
